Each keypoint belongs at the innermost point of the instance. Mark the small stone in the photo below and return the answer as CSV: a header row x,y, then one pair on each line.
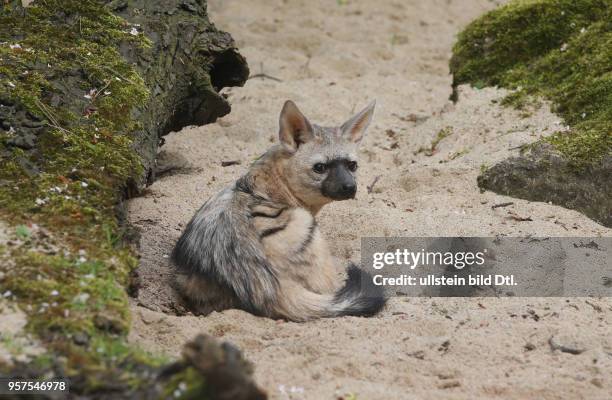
x,y
566,344
449,384
80,338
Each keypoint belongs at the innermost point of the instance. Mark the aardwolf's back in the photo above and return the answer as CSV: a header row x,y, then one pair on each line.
x,y
222,255
219,247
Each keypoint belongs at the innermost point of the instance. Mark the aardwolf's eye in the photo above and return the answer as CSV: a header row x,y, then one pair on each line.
x,y
319,168
352,165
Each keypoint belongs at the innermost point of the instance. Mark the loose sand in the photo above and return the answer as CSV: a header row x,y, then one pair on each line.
x,y
333,58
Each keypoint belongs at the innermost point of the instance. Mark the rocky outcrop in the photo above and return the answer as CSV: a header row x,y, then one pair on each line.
x,y
559,50
544,174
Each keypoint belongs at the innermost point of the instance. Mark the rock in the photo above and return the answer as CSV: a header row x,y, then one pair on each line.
x,y
543,174
566,344
501,48
80,338
449,384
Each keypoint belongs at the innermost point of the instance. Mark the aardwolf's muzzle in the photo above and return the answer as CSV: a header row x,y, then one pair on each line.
x,y
340,183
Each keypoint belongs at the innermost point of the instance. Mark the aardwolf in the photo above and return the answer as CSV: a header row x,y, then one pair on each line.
x,y
256,245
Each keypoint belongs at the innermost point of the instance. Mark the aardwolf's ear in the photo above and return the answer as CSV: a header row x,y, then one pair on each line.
x,y
294,127
355,128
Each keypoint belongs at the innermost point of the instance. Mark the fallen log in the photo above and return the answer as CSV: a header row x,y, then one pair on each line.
x,y
88,89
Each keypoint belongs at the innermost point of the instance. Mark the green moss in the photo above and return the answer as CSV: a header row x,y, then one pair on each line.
x,y
557,49
523,102
585,147
186,385
69,270
65,293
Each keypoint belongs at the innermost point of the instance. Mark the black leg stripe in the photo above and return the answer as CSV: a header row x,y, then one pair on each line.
x,y
264,215
272,231
309,236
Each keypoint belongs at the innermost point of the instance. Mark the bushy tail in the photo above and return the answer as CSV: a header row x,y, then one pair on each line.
x,y
358,297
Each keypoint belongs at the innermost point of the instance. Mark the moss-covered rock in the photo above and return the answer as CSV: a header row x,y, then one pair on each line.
x,y
560,50
542,173
87,90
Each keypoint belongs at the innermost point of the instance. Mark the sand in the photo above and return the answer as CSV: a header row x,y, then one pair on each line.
x,y
332,58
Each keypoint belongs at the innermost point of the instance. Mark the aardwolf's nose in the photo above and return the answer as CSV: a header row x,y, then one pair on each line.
x,y
349,190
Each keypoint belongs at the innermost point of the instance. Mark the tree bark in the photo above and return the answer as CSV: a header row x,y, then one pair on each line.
x,y
88,89
186,65
189,62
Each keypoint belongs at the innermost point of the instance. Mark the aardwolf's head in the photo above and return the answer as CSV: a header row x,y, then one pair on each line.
x,y
322,162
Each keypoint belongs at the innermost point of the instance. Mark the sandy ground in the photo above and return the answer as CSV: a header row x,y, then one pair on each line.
x,y
333,58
